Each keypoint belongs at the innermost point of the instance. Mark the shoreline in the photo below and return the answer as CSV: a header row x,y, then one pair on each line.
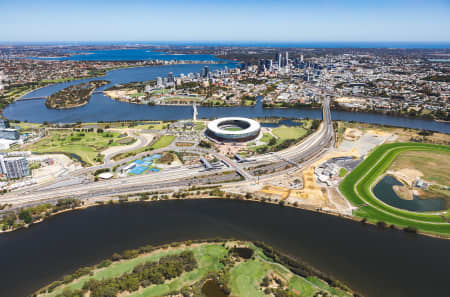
x,y
109,201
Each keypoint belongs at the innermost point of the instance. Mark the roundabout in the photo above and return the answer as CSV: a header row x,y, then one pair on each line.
x,y
233,129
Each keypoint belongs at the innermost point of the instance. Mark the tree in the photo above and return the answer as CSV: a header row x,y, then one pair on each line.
x,y
25,216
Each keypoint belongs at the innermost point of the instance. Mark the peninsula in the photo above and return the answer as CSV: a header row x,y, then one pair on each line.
x,y
74,96
198,268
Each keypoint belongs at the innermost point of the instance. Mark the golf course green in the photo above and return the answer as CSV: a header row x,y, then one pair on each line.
x,y
206,268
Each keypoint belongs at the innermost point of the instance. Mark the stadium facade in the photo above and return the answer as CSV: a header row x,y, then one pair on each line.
x,y
233,129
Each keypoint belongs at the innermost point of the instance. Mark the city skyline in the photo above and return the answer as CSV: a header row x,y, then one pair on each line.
x,y
238,21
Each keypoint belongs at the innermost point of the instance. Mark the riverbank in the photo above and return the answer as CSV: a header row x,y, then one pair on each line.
x,y
211,192
221,261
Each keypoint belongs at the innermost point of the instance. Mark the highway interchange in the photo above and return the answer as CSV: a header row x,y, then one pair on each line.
x,y
276,164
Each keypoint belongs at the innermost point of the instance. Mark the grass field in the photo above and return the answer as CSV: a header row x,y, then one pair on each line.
x,y
163,141
183,99
357,188
282,133
342,172
285,132
233,129
86,145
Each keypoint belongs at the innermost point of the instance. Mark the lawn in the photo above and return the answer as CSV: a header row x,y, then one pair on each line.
x,y
183,99
342,172
162,91
282,133
356,187
199,126
163,141
86,145
285,132
152,126
137,95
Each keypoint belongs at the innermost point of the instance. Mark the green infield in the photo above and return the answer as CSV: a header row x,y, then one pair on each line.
x,y
357,187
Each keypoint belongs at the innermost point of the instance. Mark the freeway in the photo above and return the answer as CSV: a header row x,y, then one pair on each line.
x,y
310,148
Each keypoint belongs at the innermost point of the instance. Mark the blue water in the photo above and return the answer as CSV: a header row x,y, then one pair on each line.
x,y
440,60
128,55
102,108
307,44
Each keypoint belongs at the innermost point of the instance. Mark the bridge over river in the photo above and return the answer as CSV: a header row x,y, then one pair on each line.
x,y
45,97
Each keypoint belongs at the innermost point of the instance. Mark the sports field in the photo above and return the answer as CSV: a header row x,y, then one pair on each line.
x,y
357,187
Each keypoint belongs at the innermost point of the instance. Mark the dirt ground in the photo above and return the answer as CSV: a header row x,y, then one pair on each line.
x,y
352,134
431,166
62,164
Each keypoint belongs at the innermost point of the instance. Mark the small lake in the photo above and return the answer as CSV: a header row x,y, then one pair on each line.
x,y
375,262
384,191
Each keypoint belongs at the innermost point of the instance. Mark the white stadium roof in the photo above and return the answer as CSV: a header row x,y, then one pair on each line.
x,y
253,127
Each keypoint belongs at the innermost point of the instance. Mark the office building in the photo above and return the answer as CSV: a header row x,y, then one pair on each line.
x,y
262,65
4,124
14,167
170,78
278,60
205,71
8,133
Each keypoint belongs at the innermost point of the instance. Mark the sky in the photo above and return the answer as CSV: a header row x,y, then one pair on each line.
x,y
226,20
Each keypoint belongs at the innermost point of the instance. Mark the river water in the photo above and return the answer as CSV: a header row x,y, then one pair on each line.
x,y
102,108
375,262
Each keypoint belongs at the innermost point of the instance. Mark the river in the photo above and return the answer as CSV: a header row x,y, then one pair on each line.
x,y
372,261
102,108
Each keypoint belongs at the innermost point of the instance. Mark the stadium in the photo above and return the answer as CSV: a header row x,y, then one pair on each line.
x,y
233,129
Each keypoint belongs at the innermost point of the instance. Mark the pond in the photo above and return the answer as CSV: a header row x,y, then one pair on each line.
x,y
212,289
384,190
